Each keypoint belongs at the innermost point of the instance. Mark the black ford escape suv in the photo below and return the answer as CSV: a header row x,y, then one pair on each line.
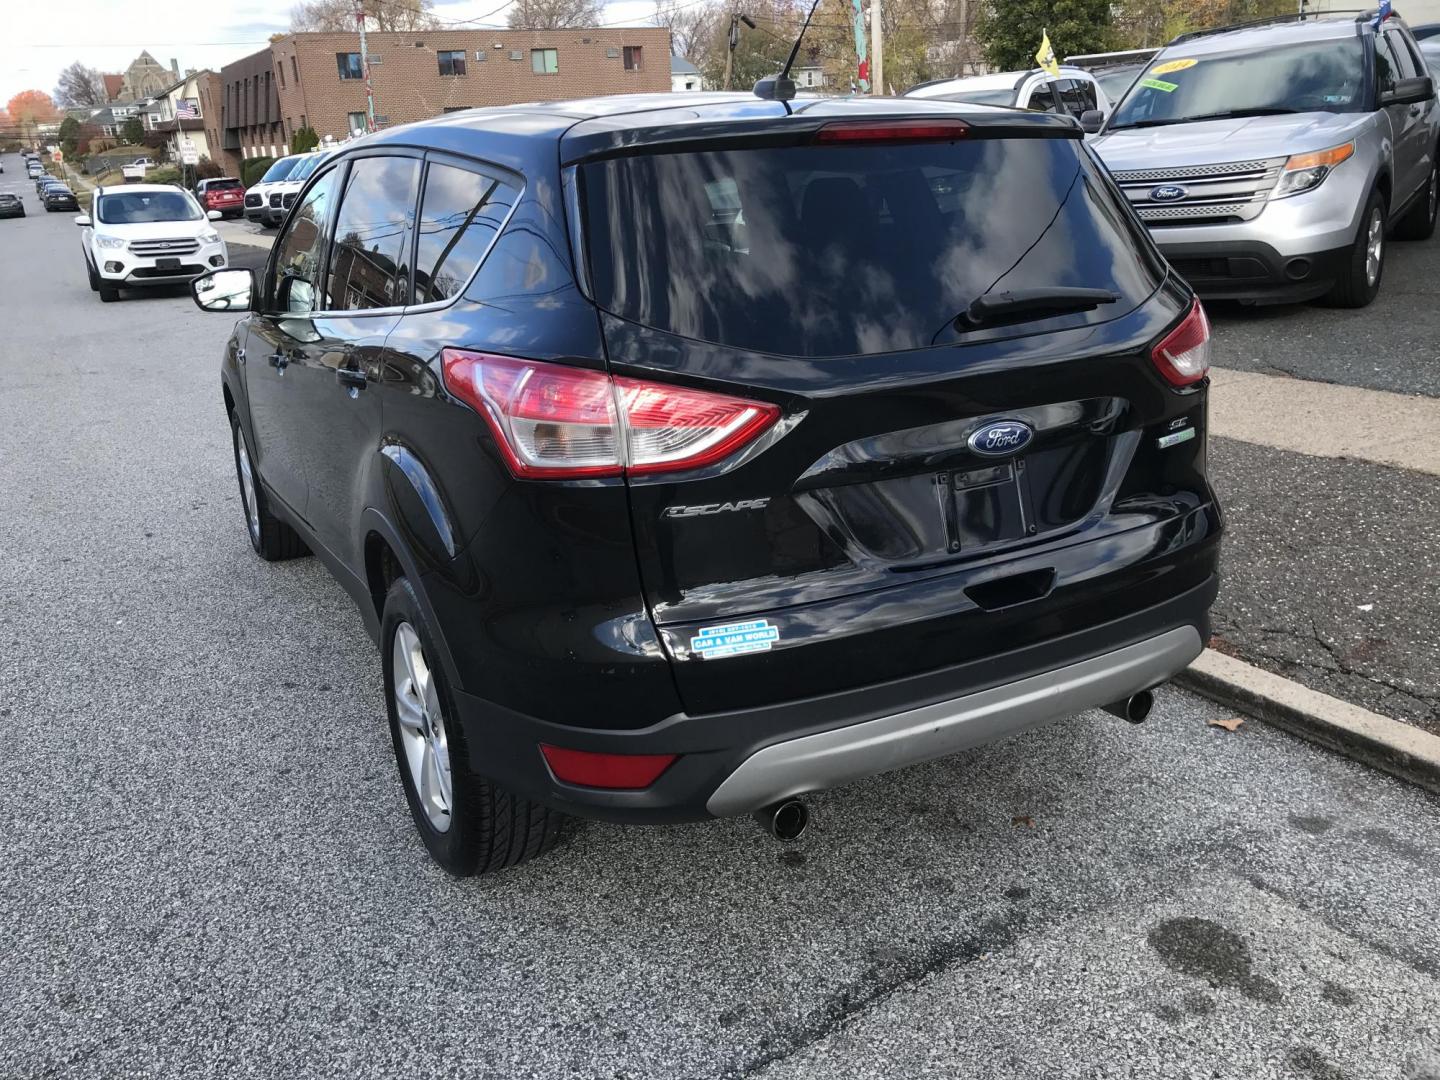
x,y
689,453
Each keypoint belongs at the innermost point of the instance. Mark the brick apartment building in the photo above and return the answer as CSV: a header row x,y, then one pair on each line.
x,y
316,78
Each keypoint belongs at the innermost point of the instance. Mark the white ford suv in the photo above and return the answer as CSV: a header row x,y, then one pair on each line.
x,y
147,234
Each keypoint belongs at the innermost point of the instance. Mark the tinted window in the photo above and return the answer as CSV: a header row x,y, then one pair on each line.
x,y
370,264
138,207
458,219
1408,68
1042,99
1077,95
222,185
825,251
299,251
1327,76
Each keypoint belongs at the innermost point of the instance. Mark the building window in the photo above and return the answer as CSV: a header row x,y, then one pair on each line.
x,y
452,61
632,57
356,122
455,108
480,55
280,70
294,70
545,61
348,64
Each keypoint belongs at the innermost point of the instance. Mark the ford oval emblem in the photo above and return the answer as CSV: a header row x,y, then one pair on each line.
x,y
1000,438
1167,193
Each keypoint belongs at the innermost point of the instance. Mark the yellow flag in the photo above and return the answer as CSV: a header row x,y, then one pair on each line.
x,y
1045,56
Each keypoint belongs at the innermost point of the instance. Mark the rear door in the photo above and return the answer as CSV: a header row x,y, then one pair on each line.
x,y
827,280
1412,132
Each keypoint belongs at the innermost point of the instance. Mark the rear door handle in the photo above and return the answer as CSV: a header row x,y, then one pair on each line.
x,y
351,378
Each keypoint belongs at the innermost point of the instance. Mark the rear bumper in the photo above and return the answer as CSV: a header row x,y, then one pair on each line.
x,y
1253,270
735,761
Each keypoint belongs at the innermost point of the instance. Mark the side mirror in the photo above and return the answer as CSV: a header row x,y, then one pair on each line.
x,y
82,220
1409,91
214,215
224,290
1091,121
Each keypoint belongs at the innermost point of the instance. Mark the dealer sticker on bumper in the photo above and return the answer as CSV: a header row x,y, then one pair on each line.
x,y
714,642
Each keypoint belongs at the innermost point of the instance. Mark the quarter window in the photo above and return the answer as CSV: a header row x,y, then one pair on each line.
x,y
459,217
348,64
545,61
370,262
299,251
452,61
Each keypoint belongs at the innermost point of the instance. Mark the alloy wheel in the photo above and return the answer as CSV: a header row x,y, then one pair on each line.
x,y
422,727
247,486
1374,247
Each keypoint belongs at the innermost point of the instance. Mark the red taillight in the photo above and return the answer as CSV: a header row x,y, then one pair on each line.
x,y
556,422
1183,356
853,131
619,772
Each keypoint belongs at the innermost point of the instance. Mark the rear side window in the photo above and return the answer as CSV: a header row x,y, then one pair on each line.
x,y
839,250
1042,99
460,214
370,263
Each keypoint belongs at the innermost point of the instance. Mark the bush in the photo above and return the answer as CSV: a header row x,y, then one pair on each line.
x,y
206,169
304,140
251,169
165,174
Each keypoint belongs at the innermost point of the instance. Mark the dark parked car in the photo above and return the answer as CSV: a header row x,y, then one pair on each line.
x,y
11,206
684,458
59,197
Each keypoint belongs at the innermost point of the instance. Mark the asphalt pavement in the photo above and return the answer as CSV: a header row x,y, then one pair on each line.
x,y
207,868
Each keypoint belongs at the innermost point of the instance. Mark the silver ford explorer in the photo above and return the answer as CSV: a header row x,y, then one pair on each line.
x,y
1271,161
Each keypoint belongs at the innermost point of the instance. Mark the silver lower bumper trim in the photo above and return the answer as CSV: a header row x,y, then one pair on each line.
x,y
815,762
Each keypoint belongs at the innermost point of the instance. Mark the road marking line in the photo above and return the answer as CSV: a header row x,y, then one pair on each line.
x,y
1326,419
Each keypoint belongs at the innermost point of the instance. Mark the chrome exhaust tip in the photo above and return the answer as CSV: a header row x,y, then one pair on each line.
x,y
1134,709
785,820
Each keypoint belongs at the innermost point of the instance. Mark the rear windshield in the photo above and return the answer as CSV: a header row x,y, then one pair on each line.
x,y
841,250
279,170
221,185
1322,76
1003,96
139,207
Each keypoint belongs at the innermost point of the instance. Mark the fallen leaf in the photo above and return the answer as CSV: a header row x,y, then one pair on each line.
x,y
1229,725
1023,819
1367,607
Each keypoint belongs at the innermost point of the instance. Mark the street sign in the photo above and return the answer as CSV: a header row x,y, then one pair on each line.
x,y
189,156
59,155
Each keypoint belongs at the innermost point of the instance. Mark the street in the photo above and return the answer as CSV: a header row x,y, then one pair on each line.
x,y
207,868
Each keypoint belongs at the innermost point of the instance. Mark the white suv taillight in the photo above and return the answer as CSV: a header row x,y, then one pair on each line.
x,y
1183,355
554,422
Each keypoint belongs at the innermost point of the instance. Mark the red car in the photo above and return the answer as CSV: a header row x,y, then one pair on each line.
x,y
224,193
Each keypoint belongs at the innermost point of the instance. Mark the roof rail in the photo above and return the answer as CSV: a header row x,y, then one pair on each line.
x,y
1366,16
1360,16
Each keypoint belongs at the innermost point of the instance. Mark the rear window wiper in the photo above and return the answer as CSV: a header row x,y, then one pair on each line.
x,y
1023,305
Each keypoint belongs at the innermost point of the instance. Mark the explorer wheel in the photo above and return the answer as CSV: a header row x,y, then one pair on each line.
x,y
1359,280
94,277
1419,222
271,538
108,293
469,824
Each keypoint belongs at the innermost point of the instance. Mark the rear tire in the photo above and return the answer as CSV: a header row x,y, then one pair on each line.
x,y
1419,221
468,823
1364,268
272,539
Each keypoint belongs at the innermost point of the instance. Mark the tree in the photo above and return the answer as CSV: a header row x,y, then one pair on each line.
x,y
28,109
691,26
304,139
1010,33
553,14
132,132
1147,23
80,85
384,16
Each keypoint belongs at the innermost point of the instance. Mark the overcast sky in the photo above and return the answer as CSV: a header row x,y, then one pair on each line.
x,y
40,37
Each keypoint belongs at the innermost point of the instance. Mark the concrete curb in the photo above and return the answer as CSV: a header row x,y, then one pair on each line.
x,y
1388,745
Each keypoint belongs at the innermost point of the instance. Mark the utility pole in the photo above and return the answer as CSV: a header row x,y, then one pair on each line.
x,y
733,40
877,52
365,66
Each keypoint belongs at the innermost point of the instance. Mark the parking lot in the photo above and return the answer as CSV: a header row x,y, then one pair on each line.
x,y
207,868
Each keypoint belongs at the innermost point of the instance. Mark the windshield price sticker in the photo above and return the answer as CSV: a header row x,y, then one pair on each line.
x,y
1158,84
1173,65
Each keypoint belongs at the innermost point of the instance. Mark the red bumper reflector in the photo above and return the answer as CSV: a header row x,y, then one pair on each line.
x,y
619,772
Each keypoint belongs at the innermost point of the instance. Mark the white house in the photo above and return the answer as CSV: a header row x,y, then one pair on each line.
x,y
177,112
684,75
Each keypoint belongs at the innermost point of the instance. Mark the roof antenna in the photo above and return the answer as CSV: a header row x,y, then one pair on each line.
x,y
781,87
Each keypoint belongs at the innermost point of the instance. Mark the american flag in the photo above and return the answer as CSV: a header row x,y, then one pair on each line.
x,y
187,109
